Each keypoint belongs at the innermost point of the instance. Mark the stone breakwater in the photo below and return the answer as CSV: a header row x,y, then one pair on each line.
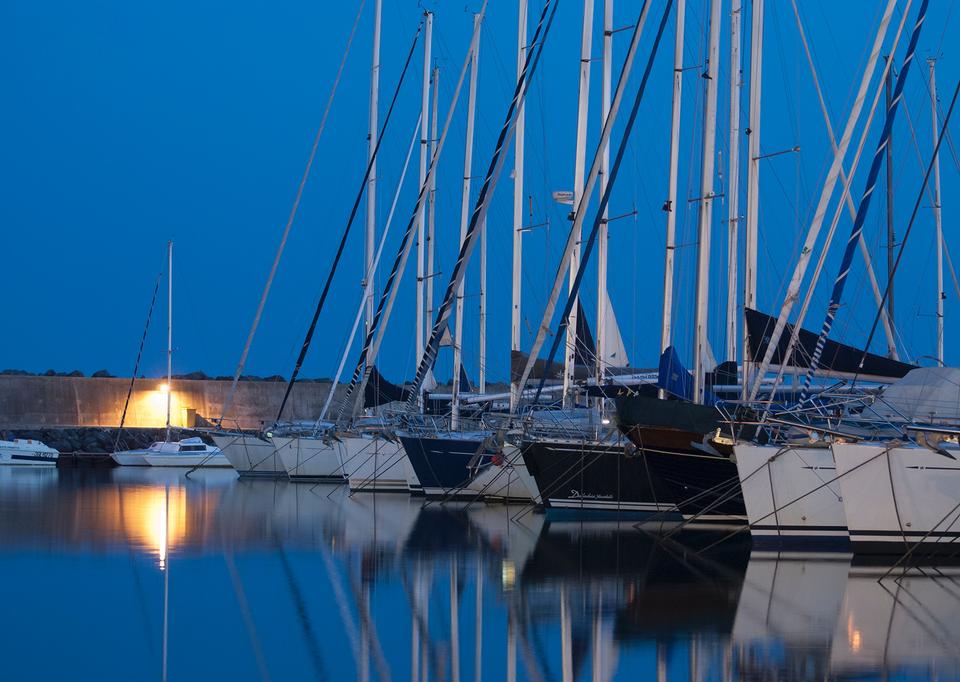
x,y
67,402
94,440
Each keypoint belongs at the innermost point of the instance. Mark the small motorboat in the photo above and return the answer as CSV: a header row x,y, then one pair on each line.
x,y
25,451
189,452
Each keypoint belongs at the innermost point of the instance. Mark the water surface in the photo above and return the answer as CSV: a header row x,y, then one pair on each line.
x,y
139,574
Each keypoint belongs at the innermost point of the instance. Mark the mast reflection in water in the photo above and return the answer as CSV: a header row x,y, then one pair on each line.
x,y
132,574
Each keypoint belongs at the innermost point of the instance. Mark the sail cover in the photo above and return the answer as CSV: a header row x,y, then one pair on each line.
x,y
836,357
584,357
586,349
379,391
926,394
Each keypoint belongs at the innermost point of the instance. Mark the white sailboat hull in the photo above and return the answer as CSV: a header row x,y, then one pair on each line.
x,y
310,459
131,458
790,494
374,464
895,497
250,455
513,459
504,482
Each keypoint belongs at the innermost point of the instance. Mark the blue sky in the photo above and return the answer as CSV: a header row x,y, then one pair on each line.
x,y
127,124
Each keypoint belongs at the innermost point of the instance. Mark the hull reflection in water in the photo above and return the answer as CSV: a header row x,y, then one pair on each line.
x,y
287,581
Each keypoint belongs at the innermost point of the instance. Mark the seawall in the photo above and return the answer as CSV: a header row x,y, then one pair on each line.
x,y
39,402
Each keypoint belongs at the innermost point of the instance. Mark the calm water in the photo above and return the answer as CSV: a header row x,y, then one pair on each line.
x,y
142,574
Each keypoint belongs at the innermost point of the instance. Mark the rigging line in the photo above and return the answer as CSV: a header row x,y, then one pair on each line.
x,y
913,216
572,242
290,218
136,364
887,323
857,229
346,231
374,336
368,289
605,198
477,220
813,232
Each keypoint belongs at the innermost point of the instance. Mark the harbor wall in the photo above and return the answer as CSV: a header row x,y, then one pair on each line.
x,y
36,402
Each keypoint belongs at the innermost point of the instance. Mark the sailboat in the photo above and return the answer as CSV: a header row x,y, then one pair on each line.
x,y
861,472
189,452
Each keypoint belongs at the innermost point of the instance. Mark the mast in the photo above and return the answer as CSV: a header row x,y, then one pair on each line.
x,y
606,80
583,100
936,208
666,331
464,222
753,183
169,331
580,211
374,335
701,342
518,210
891,235
482,349
491,177
371,146
432,199
424,149
733,182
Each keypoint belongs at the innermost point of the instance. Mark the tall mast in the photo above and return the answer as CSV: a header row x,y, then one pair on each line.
x,y
482,347
432,198
733,181
700,343
753,181
936,208
583,100
424,150
666,330
601,338
464,221
169,331
518,209
371,146
891,235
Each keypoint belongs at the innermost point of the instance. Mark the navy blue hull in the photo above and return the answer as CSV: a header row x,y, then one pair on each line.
x,y
444,466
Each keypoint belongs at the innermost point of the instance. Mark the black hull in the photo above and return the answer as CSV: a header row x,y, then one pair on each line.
x,y
575,477
445,466
674,437
702,485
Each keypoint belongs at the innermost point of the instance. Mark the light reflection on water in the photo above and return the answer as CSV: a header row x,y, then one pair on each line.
x,y
134,573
